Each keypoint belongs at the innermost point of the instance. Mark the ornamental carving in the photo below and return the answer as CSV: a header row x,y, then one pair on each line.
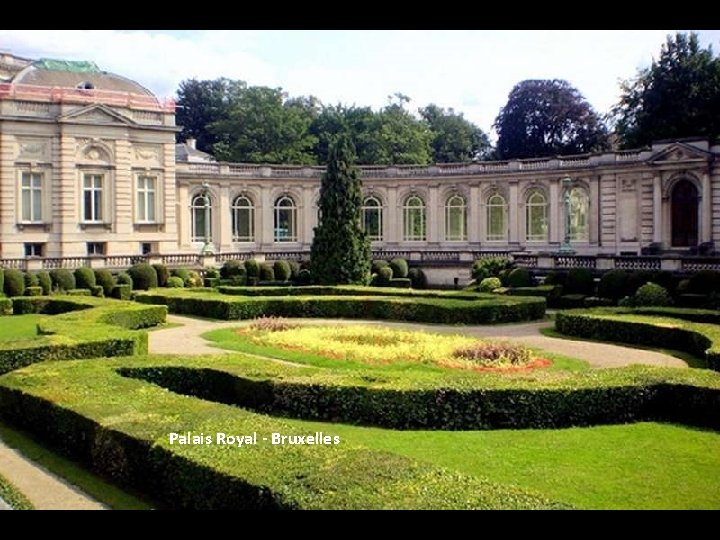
x,y
147,154
33,149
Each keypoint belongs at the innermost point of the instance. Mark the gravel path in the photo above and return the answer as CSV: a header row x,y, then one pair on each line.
x,y
186,339
42,488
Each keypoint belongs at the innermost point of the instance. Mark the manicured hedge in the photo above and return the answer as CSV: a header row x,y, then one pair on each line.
x,y
400,283
122,291
120,427
485,309
84,278
669,328
6,306
14,283
84,327
345,290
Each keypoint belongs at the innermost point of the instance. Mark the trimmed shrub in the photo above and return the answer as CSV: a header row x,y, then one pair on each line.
x,y
33,291
489,267
214,273
162,273
519,277
194,280
595,301
579,281
251,281
123,278
31,280
637,280
651,294
294,269
489,353
384,275
121,291
400,283
504,275
62,279
282,271
232,268
79,292
613,284
45,281
174,282
705,282
555,277
213,282
253,268
304,277
6,306
489,284
399,267
238,281
377,264
182,273
98,291
84,278
571,301
144,277
2,281
417,278
14,282
666,280
105,279
267,273
683,286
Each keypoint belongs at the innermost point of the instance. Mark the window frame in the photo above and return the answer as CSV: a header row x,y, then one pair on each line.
x,y
235,209
377,208
463,236
530,207
489,207
408,210
293,209
145,191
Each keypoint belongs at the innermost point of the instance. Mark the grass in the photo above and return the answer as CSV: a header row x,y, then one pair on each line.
x,y
19,327
691,360
12,496
74,473
636,466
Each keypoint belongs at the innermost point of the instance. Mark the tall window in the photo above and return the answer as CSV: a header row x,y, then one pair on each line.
x,y
31,187
579,215
243,220
146,187
536,217
372,218
285,220
455,219
414,219
198,219
93,198
496,218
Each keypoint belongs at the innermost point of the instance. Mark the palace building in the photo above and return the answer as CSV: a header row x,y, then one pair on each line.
x,y
90,173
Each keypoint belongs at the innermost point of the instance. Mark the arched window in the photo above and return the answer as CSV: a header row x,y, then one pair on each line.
x,y
536,224
372,218
455,219
496,218
198,218
414,219
285,220
579,215
243,219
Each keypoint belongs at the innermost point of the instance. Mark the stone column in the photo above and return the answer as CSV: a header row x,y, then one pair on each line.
x,y
657,209
182,215
309,217
265,233
224,237
706,209
393,216
514,212
435,215
594,210
557,213
474,208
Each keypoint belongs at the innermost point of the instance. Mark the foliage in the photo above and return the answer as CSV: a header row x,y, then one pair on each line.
x,y
14,282
252,267
340,251
651,294
6,306
33,291
267,272
489,284
637,279
519,277
489,267
13,497
548,118
143,277
213,273
613,284
399,267
282,270
384,276
2,281
121,291
31,279
555,277
677,96
704,282
162,273
400,283
84,278
105,279
454,139
232,268
304,277
62,279
182,273
579,281
377,264
490,353
98,291
271,324
193,280
418,279
175,282
123,278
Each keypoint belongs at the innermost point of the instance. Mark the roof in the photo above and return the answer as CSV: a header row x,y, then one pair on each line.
x,y
185,152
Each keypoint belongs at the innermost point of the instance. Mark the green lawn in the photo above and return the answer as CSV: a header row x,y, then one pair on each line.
x,y
18,327
636,466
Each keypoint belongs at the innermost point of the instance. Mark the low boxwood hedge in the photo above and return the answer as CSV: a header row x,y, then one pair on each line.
x,y
483,309
84,327
120,426
693,331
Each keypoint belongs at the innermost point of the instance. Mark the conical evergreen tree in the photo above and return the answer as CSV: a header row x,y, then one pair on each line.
x,y
340,252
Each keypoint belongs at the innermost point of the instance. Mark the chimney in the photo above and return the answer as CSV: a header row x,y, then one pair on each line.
x,y
191,143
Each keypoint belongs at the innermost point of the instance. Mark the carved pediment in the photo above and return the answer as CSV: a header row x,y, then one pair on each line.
x,y
97,114
95,151
680,152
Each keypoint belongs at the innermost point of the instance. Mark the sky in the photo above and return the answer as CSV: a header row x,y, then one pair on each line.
x,y
470,71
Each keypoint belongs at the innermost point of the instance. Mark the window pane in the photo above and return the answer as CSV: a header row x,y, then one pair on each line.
x,y
98,205
26,216
87,205
579,207
150,206
36,205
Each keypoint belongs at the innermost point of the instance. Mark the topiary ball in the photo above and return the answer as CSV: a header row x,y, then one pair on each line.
x,y
399,268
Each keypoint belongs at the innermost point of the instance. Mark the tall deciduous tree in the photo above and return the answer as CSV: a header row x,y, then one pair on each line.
x,y
677,96
203,103
546,118
454,139
340,252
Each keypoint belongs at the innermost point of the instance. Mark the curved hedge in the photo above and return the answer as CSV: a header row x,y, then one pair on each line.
x,y
693,331
83,327
482,309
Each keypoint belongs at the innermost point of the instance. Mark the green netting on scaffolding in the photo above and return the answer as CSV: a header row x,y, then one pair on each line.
x,y
77,66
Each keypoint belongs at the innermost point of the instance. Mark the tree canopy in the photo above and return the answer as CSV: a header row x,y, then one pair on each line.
x,y
677,96
547,118
454,139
